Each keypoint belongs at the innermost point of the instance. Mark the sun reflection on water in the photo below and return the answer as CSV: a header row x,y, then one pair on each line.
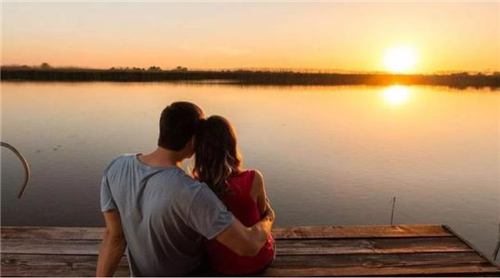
x,y
396,95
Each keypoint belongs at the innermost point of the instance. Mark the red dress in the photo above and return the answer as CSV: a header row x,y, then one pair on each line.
x,y
239,201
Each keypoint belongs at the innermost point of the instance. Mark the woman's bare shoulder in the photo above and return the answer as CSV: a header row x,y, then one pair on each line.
x,y
258,176
258,182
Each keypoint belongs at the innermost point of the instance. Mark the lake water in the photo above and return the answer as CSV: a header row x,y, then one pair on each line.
x,y
329,155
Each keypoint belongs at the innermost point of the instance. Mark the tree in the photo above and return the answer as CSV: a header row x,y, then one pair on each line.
x,y
181,69
45,66
154,68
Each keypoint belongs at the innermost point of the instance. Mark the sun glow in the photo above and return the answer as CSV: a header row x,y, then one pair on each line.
x,y
400,59
396,95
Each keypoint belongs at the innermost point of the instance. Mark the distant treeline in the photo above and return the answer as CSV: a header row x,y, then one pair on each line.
x,y
247,77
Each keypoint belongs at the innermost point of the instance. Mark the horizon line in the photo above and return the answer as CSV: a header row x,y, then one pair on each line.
x,y
266,69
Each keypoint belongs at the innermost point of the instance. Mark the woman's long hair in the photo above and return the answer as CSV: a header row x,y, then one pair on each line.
x,y
217,156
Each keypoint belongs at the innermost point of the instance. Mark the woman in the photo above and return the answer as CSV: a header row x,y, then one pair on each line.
x,y
218,164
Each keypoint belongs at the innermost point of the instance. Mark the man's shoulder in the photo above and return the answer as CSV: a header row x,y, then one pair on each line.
x,y
125,156
119,160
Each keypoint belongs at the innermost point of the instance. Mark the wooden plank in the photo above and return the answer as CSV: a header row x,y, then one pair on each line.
x,y
464,271
380,264
378,260
361,231
50,246
70,233
54,265
346,265
78,233
370,246
284,247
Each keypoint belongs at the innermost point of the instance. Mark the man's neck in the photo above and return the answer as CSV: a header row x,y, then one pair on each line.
x,y
162,157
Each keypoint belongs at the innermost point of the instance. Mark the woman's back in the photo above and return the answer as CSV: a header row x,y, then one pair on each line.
x,y
240,202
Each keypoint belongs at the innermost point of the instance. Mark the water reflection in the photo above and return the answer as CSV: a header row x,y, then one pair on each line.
x,y
396,95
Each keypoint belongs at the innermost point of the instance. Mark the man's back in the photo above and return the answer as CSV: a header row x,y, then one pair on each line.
x,y
165,215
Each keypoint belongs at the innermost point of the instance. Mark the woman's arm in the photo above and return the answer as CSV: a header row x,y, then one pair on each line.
x,y
259,192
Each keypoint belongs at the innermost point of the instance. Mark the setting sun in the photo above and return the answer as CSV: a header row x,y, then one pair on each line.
x,y
400,59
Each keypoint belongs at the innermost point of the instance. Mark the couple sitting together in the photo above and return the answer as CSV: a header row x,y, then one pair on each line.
x,y
215,220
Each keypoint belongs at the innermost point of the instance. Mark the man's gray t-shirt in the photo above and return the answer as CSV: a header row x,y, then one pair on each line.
x,y
166,215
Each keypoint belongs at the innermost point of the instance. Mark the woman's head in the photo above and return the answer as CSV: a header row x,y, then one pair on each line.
x,y
217,156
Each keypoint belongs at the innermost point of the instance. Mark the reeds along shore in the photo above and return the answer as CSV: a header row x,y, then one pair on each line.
x,y
249,77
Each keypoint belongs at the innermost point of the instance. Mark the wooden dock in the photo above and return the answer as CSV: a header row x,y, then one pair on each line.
x,y
402,250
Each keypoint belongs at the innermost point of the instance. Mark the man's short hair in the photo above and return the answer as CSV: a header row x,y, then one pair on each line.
x,y
178,124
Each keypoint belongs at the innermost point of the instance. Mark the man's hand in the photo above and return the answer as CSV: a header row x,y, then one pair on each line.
x,y
246,241
112,247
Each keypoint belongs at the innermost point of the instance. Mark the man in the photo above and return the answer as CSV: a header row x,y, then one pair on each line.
x,y
161,215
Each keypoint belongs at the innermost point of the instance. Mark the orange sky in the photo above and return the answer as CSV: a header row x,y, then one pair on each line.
x,y
446,36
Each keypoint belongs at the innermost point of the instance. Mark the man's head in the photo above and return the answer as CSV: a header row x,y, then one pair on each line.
x,y
178,124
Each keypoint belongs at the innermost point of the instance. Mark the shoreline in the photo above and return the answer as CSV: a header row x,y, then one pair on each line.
x,y
250,78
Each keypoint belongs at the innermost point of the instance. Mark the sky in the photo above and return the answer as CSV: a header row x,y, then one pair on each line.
x,y
355,36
